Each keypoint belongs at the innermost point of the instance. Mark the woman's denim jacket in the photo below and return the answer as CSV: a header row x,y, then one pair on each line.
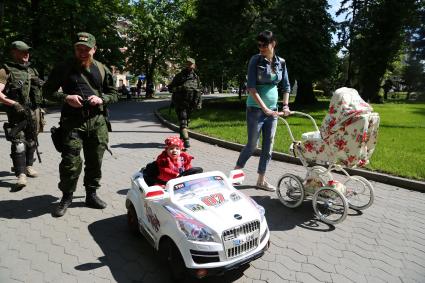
x,y
260,72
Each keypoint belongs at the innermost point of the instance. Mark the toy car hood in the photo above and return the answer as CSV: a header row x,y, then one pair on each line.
x,y
221,208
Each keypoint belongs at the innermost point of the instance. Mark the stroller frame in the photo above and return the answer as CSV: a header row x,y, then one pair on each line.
x,y
330,198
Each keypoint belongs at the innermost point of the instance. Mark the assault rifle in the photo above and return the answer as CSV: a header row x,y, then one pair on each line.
x,y
29,124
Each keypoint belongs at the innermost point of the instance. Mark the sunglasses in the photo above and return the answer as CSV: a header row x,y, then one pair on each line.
x,y
262,45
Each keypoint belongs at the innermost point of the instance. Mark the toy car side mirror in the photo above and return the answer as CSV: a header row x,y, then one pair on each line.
x,y
236,177
154,192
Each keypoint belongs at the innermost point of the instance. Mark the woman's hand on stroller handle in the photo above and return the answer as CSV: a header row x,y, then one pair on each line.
x,y
286,112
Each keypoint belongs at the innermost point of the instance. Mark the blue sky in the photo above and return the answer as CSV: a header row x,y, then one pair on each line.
x,y
335,4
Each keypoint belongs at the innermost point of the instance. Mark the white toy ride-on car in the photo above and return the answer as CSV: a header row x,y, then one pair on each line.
x,y
200,224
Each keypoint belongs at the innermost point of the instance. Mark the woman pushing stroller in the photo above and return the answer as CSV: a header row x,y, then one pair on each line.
x,y
267,76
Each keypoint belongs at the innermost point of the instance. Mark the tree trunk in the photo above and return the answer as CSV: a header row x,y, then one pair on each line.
x,y
149,85
305,94
369,92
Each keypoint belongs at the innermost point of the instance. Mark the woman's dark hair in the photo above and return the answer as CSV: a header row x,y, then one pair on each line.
x,y
266,36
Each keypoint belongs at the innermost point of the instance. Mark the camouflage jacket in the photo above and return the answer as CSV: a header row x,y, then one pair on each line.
x,y
71,78
22,84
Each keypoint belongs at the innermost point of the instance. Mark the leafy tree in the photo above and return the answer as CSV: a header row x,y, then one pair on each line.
x,y
50,27
221,34
376,34
303,28
155,35
414,75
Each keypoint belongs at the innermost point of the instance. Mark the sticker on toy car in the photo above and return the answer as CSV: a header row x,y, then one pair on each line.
x,y
195,207
152,218
214,199
235,197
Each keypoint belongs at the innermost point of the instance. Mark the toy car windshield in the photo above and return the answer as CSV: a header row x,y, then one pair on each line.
x,y
199,186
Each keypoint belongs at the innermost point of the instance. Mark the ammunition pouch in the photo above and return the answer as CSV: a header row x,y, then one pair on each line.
x,y
11,131
7,131
105,113
57,137
40,119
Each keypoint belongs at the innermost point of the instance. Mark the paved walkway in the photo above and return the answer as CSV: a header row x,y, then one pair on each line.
x,y
384,244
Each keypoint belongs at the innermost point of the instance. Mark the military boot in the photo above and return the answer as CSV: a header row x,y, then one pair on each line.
x,y
184,135
63,205
22,181
186,144
31,172
93,201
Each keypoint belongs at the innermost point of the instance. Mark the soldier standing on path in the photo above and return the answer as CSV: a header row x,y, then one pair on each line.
x,y
186,96
87,88
20,92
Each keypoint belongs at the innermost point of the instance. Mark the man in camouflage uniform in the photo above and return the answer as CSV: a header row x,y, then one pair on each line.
x,y
20,92
186,90
87,87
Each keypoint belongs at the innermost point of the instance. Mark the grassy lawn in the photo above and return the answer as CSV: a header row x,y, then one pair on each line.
x,y
400,150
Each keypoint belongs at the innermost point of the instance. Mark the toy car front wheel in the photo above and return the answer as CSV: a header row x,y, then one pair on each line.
x,y
359,192
132,221
330,205
170,254
290,190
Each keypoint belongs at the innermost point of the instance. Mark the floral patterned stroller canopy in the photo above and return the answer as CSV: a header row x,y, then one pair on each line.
x,y
347,135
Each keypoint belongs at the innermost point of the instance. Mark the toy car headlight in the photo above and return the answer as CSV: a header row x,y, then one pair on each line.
x,y
195,230
192,228
260,209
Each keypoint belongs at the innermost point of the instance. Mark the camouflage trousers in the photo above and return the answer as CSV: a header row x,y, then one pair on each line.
x,y
183,114
91,136
23,145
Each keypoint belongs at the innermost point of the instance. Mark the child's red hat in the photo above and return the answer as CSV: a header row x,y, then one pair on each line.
x,y
174,141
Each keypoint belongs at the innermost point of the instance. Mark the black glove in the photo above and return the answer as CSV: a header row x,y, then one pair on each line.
x,y
18,107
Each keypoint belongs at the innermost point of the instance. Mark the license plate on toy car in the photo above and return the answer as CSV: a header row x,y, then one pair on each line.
x,y
242,240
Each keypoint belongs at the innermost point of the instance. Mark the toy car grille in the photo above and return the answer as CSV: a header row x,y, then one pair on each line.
x,y
241,239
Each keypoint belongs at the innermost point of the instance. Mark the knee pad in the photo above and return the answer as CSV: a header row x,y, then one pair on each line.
x,y
18,147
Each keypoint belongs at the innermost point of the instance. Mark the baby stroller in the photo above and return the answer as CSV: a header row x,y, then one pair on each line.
x,y
346,138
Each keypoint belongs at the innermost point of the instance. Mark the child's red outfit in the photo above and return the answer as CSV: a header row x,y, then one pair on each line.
x,y
170,168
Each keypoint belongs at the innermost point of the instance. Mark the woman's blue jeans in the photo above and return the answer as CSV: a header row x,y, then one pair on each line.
x,y
258,122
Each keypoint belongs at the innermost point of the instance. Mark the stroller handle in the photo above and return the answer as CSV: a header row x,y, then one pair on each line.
x,y
300,114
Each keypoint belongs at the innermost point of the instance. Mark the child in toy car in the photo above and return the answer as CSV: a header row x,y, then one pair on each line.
x,y
173,162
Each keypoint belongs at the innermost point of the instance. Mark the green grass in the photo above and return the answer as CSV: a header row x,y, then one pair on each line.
x,y
400,150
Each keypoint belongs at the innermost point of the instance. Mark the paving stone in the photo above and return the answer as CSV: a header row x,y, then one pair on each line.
x,y
295,255
282,271
383,275
338,278
316,272
252,273
288,262
322,265
354,274
34,276
306,277
270,276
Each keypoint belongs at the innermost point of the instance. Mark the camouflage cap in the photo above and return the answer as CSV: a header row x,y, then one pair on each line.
x,y
191,60
20,45
86,39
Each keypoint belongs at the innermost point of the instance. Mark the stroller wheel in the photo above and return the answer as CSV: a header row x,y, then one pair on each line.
x,y
330,205
290,190
359,192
